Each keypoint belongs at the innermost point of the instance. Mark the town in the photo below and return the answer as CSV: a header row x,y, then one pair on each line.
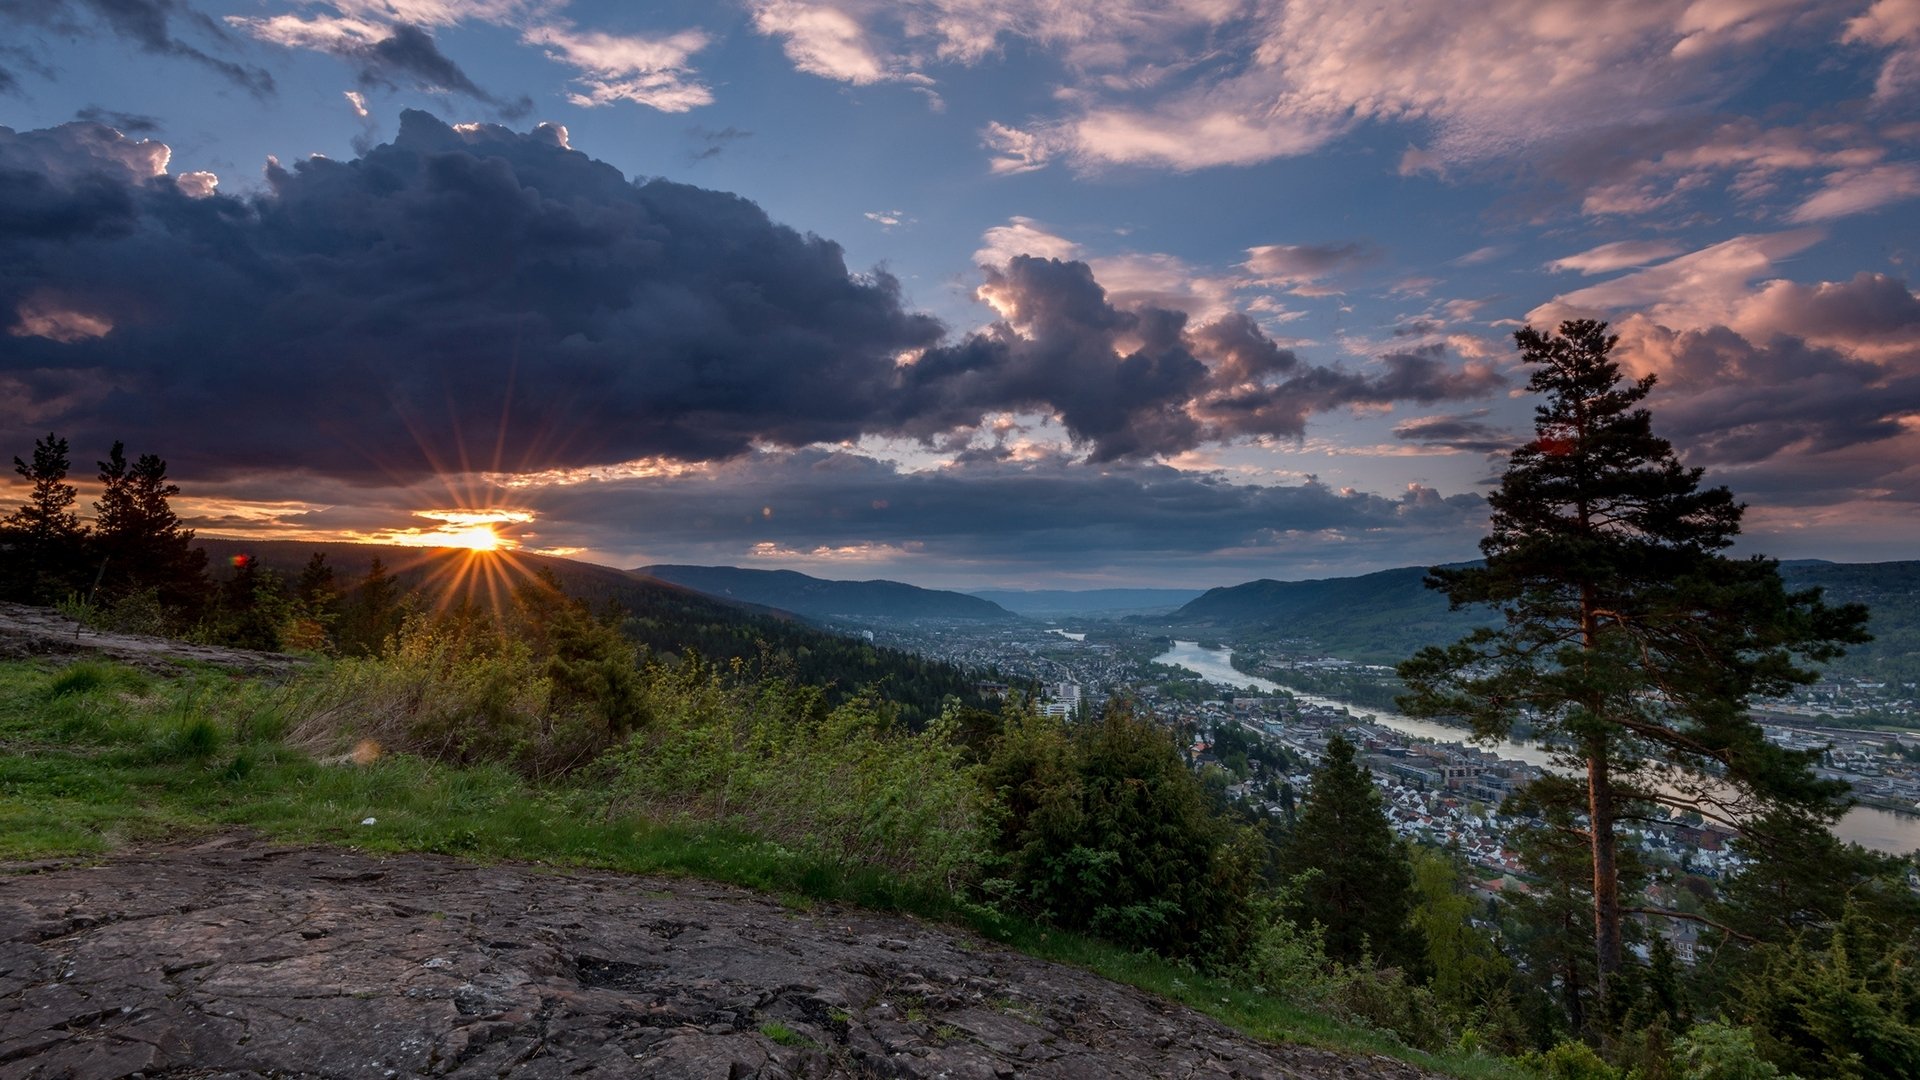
x,y
1259,746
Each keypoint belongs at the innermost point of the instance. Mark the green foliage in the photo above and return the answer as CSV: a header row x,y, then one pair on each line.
x,y
1570,1061
1465,962
767,757
784,1035
1720,1052
1844,1004
451,689
1104,828
1352,874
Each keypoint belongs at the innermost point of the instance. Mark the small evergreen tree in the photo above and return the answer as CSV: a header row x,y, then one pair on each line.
x,y
45,543
1353,874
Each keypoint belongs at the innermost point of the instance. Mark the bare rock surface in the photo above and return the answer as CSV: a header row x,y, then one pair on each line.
x,y
235,957
37,631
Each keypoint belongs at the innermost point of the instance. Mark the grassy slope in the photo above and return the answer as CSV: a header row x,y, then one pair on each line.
x,y
95,757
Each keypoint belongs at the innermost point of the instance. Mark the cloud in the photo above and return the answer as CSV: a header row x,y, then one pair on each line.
x,y
1733,400
384,55
1893,25
822,40
650,71
716,141
1694,289
149,24
1618,255
1857,191
123,122
1759,373
459,295
470,297
1002,516
1203,83
1130,382
1466,432
1303,268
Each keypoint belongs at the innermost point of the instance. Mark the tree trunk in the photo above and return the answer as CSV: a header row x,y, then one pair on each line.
x,y
1606,877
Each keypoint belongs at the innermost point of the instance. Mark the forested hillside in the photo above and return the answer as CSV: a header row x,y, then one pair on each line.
x,y
803,594
668,619
1384,617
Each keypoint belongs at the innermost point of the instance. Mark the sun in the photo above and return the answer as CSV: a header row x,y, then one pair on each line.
x,y
471,537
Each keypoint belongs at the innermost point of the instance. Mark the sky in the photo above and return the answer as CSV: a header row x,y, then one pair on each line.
x,y
966,293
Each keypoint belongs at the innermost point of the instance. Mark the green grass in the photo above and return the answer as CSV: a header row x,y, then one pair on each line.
x,y
96,757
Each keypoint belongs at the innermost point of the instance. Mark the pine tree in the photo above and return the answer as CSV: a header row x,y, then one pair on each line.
x,y
1627,636
138,541
1354,874
44,540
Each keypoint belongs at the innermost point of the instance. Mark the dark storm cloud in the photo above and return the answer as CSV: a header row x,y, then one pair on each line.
x,y
1731,401
1051,513
147,23
459,296
475,298
1467,431
1138,382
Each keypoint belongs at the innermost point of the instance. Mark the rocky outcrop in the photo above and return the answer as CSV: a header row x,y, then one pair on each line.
x,y
239,958
36,631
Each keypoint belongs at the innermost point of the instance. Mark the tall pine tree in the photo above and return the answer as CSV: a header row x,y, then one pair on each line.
x,y
1628,637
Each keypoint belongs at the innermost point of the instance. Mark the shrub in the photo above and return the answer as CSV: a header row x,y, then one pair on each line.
x,y
1103,828
764,756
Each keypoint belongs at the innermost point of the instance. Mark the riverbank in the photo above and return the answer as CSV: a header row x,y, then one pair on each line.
x,y
1886,828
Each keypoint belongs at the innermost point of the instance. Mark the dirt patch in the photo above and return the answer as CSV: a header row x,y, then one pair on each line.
x,y
236,957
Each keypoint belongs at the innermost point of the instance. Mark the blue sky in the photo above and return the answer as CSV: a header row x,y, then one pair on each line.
x,y
1104,293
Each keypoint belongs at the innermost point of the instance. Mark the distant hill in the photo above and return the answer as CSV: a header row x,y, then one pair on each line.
x,y
667,618
1383,617
820,598
1043,603
1379,617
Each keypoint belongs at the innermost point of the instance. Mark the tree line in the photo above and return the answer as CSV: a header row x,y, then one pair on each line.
x,y
135,567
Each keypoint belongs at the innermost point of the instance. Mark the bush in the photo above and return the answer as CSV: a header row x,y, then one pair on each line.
x,y
1103,828
1570,1061
452,690
1720,1052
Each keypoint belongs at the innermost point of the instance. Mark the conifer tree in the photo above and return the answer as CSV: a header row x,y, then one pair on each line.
x,y
44,539
1628,637
138,541
1355,877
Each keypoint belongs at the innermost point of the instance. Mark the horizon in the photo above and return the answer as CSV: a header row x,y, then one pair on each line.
x,y
959,588
952,294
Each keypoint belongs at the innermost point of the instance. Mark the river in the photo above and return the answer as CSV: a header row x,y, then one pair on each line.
x,y
1868,826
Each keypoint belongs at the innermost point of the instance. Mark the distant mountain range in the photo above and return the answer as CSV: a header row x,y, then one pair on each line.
x,y
1383,617
820,598
1051,603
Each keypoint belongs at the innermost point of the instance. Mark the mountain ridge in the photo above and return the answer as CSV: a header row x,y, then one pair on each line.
x,y
804,594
